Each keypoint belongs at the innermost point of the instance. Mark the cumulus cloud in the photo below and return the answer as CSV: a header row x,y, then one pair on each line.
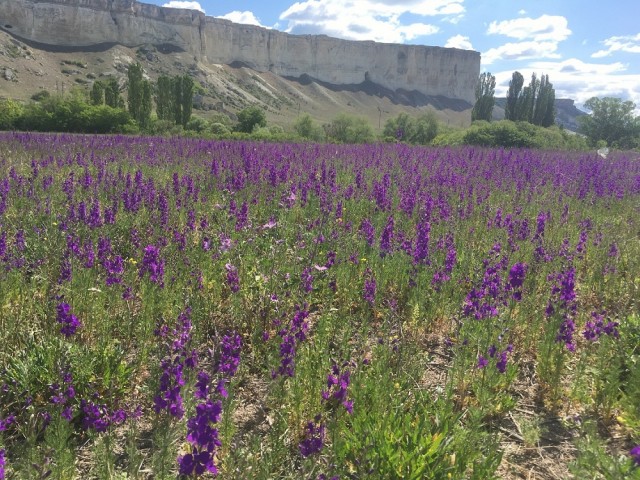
x,y
246,18
459,41
539,38
184,4
579,80
368,19
544,28
628,44
521,51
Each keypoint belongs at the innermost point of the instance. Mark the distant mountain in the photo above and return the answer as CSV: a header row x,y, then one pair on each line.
x,y
567,113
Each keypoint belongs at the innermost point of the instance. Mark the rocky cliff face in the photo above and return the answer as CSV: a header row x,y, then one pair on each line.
x,y
432,71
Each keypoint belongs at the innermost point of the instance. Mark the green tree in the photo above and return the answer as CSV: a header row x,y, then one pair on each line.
x,y
249,118
513,95
177,99
186,99
347,129
533,103
426,129
544,110
164,98
182,99
97,93
304,126
421,130
135,92
112,96
10,111
611,120
400,128
146,105
485,97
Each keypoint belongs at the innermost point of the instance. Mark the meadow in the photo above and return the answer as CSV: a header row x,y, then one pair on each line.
x,y
176,307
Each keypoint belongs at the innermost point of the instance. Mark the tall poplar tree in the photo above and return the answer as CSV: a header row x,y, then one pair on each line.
x,y
513,95
97,93
134,95
112,94
165,98
485,97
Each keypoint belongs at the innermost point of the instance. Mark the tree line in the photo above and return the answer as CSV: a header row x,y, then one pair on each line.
x,y
533,103
173,96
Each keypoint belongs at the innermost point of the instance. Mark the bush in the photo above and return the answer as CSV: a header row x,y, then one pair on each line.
x,y
10,111
219,129
521,135
347,129
249,118
55,114
403,128
307,129
199,125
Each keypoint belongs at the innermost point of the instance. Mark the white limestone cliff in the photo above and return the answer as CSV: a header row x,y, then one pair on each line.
x,y
436,71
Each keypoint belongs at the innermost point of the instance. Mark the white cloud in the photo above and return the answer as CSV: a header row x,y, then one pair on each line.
x,y
578,80
544,28
368,19
628,44
184,4
459,41
539,38
246,18
522,12
521,51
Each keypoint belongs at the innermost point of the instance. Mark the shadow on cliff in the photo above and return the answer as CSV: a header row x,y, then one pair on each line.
x,y
409,98
94,48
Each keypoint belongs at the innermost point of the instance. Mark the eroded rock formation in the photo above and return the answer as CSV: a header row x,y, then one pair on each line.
x,y
433,71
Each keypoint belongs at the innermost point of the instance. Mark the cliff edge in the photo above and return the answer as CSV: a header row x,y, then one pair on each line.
x,y
430,71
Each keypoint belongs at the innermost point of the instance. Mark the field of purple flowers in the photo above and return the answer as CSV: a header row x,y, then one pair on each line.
x,y
185,308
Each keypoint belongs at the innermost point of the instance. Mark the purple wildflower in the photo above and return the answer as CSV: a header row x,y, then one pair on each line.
x,y
233,280
306,280
291,337
421,252
94,416
369,293
202,386
197,462
152,264
596,327
516,279
386,237
482,362
7,422
635,455
313,439
501,364
368,232
230,357
69,322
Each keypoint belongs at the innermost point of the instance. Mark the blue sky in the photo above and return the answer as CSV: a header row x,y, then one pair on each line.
x,y
587,47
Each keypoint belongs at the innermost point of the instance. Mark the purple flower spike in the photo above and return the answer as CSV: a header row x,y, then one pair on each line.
x,y
69,322
635,455
313,440
482,362
153,265
2,463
